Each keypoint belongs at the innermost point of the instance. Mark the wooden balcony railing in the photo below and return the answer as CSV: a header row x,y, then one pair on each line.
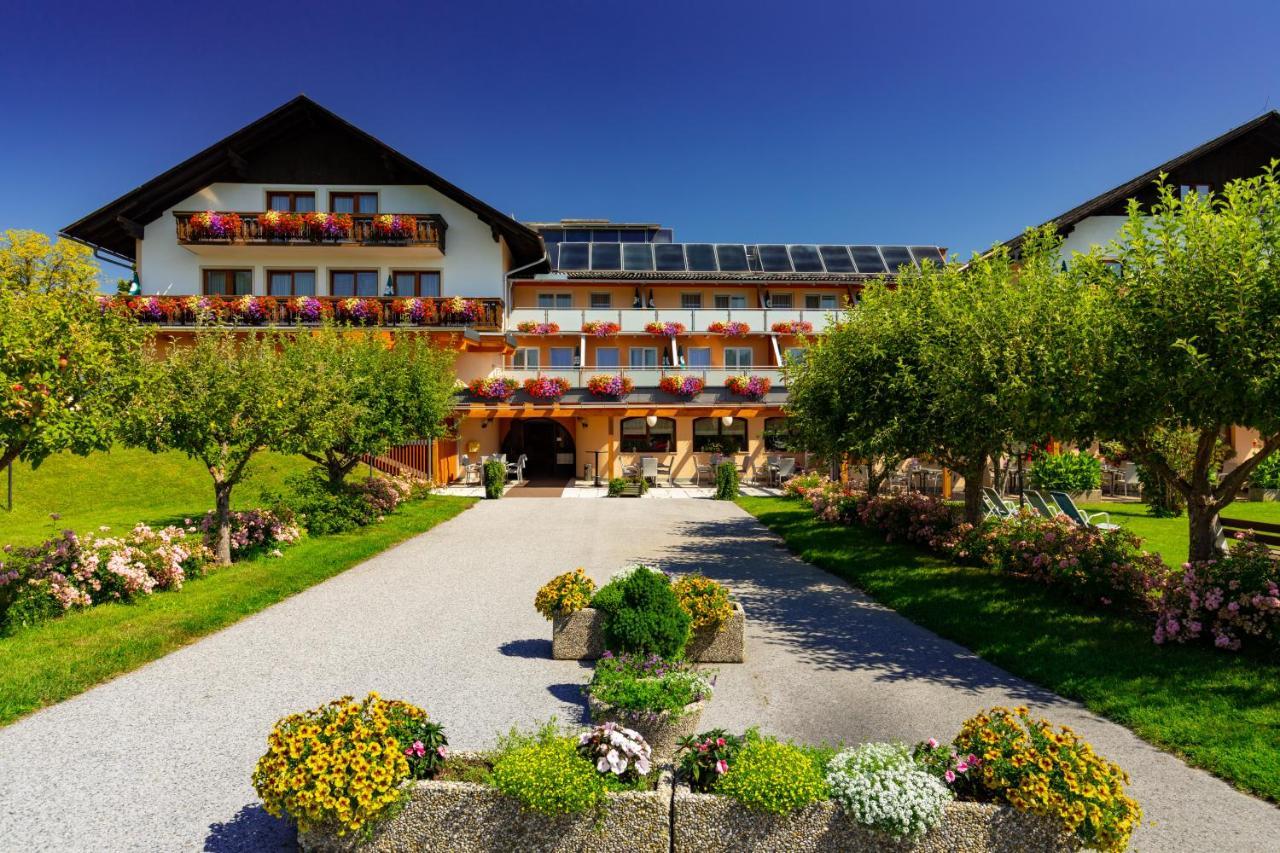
x,y
484,314
260,228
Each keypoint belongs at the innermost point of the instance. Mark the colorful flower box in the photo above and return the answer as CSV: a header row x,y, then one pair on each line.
x,y
421,312
665,330
252,310
531,328
580,636
281,225
460,310
493,388
546,387
150,309
602,328
211,225
731,329
793,327
308,309
615,386
751,387
327,226
681,386
394,226
358,312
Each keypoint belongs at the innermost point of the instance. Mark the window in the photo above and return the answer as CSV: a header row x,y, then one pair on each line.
x,y
780,300
639,437
710,435
1194,189
737,356
698,356
416,283
353,202
296,202
601,300
562,356
228,282
777,435
821,301
555,300
526,357
643,356
727,300
795,355
291,282
691,300
353,282
606,356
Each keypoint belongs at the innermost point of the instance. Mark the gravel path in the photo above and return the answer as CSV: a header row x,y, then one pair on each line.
x,y
160,759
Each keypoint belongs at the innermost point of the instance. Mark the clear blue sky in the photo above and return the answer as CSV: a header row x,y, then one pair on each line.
x,y
950,123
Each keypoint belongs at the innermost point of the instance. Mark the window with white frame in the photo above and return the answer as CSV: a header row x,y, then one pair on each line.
x,y
737,356
601,300
821,301
526,357
606,356
643,356
731,300
562,356
691,300
780,300
698,356
555,300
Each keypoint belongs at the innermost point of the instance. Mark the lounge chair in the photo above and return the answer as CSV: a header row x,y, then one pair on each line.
x,y
1006,509
1079,516
1040,505
998,510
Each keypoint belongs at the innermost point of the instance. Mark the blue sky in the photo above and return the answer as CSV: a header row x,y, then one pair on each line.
x,y
940,122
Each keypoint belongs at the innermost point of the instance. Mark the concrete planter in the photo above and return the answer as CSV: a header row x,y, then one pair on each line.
x,y
661,731
707,823
580,636
1257,493
462,817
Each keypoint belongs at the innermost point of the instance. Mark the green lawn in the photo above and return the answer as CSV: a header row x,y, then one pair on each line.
x,y
121,488
1168,536
1219,711
57,660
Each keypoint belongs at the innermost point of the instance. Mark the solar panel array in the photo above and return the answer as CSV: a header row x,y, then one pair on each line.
x,y
737,257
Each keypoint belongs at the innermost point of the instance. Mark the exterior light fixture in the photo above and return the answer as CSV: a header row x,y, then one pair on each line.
x,y
651,420
727,420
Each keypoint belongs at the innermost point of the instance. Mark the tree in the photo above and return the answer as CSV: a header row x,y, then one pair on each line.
x,y
220,400
1196,341
67,367
364,394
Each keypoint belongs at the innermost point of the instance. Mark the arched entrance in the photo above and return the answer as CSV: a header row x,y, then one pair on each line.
x,y
547,444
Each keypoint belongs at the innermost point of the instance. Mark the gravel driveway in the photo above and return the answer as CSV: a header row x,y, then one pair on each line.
x,y
160,759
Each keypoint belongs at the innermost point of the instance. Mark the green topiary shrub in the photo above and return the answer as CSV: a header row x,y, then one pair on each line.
x,y
773,777
726,481
549,777
1069,471
495,478
642,615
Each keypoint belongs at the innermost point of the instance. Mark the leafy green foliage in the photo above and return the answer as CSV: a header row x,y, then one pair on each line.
x,y
325,508
1066,471
619,484
642,615
773,777
726,481
706,757
549,777
649,684
495,479
1267,474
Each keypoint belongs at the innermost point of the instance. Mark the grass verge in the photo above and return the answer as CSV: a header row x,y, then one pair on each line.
x,y
1218,711
54,661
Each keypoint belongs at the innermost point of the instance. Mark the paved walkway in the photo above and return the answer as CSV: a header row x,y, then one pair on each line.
x,y
160,759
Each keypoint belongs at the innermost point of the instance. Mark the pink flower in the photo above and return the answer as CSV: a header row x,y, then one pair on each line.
x,y
933,743
949,776
962,767
722,766
418,748
719,741
442,751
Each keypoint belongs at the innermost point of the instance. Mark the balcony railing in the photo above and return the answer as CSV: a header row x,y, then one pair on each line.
x,y
695,321
257,228
713,378
484,314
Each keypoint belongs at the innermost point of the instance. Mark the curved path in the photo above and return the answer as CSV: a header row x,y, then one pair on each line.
x,y
160,759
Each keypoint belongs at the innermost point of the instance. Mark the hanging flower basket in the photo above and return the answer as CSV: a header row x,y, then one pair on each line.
x,y
308,309
210,225
150,309
420,312
327,226
665,330
794,327
613,385
394,226
281,225
493,388
602,328
529,327
204,309
732,329
359,312
751,387
252,310
681,386
461,310
546,387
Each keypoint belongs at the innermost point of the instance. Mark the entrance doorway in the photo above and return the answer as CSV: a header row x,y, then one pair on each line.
x,y
547,445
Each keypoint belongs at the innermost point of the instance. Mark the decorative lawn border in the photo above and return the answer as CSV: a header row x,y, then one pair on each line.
x,y
59,659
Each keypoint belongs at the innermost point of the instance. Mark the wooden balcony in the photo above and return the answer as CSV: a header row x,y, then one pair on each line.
x,y
197,231
481,314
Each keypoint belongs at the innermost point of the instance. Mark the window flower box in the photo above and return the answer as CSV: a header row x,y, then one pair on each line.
x,y
531,328
610,385
149,309
681,386
321,226
394,226
281,225
546,387
602,328
211,225
665,330
252,310
493,388
731,329
459,310
793,327
751,387
418,312
308,309
580,636
359,312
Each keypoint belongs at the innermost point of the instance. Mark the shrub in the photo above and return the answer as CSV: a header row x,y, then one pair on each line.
x,y
706,601
647,685
797,486
1267,474
549,777
618,751
1228,598
1005,755
618,484
705,758
642,615
880,786
726,481
495,478
773,777
1070,471
252,531
911,517
564,594
319,507
340,766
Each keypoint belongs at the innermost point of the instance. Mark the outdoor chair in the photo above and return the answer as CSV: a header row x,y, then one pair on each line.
x,y
1039,504
703,469
786,469
1128,479
1006,508
649,469
468,468
517,468
1079,516
1000,510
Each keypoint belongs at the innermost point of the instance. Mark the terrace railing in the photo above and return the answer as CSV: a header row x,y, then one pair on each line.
x,y
253,228
482,314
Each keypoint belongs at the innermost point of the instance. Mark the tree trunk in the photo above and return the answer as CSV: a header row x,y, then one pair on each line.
x,y
973,473
875,478
1202,524
222,513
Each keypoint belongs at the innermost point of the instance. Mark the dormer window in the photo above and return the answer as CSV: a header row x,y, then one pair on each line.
x,y
353,202
290,201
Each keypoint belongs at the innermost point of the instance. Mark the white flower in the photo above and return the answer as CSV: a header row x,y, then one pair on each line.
x,y
879,785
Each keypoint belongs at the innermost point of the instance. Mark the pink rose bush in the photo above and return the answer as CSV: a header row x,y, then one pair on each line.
x,y
1228,599
252,531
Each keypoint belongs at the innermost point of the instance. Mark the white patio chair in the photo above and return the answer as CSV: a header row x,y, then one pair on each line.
x,y
786,469
649,469
517,468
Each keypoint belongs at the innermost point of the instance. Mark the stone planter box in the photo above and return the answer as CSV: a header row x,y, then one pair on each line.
x,y
660,731
706,823
463,817
580,636
1257,493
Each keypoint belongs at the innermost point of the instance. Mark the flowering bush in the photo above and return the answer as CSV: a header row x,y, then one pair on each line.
x,y
707,757
550,777
880,785
601,328
252,531
457,308
564,594
797,486
211,225
281,225
252,310
327,226
773,777
911,517
646,685
793,327
616,750
340,766
610,385
751,387
665,330
308,309
360,312
1005,755
1228,598
546,387
415,310
493,388
681,386
529,327
731,329
324,509
706,601
394,226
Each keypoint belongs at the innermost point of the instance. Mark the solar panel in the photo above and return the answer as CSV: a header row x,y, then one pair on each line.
x,y
867,258
928,253
632,235
637,256
669,257
577,236
701,256
805,259
896,256
606,256
774,259
732,257
573,256
608,236
835,259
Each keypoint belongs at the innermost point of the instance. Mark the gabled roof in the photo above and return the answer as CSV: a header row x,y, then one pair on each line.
x,y
299,142
1240,152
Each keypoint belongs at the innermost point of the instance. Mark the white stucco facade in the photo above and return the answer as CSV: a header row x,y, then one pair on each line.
x,y
472,265
1092,231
